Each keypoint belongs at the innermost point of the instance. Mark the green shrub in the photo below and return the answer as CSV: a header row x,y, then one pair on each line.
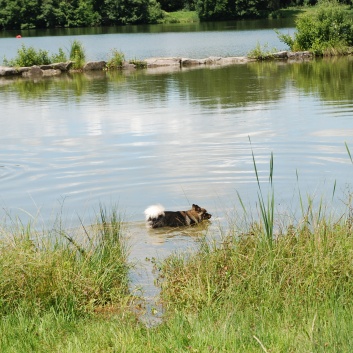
x,y
28,56
116,60
328,30
260,53
77,55
59,57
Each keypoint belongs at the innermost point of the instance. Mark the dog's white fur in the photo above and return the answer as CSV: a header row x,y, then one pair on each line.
x,y
154,211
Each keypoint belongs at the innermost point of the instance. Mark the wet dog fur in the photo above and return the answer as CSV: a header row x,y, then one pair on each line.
x,y
157,217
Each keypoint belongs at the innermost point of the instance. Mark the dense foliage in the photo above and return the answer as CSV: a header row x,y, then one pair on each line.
x,y
24,14
326,31
231,9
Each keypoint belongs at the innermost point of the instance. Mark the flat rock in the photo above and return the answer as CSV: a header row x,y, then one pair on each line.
x,y
299,55
212,60
8,71
128,66
64,66
281,55
95,66
51,72
155,62
34,71
192,62
23,69
46,67
57,66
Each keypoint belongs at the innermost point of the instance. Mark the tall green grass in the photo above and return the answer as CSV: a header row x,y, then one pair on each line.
x,y
241,294
296,295
262,52
77,54
57,271
116,60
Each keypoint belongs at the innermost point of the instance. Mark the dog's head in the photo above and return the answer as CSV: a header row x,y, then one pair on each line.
x,y
201,212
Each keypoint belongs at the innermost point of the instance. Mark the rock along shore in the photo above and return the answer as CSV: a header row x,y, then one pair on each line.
x,y
152,63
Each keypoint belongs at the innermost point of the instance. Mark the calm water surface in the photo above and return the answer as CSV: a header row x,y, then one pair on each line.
x,y
195,40
176,138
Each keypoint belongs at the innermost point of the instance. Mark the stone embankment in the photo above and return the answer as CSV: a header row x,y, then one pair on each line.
x,y
152,63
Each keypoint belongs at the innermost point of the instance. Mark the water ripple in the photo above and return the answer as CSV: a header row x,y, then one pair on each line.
x,y
10,171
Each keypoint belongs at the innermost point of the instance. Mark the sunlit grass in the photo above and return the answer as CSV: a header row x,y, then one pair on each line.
x,y
55,270
180,17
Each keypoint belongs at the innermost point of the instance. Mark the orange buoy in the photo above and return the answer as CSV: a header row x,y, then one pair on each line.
x,y
18,36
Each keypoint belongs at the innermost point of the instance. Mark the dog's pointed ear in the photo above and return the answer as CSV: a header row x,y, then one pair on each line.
x,y
196,208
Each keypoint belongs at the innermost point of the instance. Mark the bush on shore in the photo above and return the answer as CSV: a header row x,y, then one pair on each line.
x,y
326,31
29,56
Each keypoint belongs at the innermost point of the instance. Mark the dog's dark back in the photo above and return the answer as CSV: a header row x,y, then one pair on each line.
x,y
179,218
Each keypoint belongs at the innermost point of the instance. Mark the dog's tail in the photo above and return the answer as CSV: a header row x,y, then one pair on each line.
x,y
153,214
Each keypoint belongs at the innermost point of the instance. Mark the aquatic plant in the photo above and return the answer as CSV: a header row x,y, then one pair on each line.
x,y
77,55
261,53
116,60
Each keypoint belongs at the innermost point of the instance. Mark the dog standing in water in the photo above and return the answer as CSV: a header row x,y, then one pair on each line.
x,y
157,217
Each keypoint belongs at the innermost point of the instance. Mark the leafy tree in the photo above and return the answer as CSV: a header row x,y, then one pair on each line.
x,y
128,11
11,14
233,9
212,9
49,14
176,5
16,14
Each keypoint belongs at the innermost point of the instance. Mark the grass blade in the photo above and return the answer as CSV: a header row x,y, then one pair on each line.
x,y
349,152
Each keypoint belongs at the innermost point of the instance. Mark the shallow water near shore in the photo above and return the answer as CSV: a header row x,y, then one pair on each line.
x,y
148,246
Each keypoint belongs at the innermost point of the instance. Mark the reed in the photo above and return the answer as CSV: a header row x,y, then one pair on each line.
x,y
289,290
292,296
77,55
116,60
266,207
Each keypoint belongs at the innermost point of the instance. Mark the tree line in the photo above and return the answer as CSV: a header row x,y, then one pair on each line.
x,y
25,14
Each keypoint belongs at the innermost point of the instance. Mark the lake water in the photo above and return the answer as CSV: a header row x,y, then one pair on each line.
x,y
195,40
71,143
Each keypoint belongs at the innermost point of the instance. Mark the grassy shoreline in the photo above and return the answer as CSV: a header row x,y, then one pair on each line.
x,y
294,293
